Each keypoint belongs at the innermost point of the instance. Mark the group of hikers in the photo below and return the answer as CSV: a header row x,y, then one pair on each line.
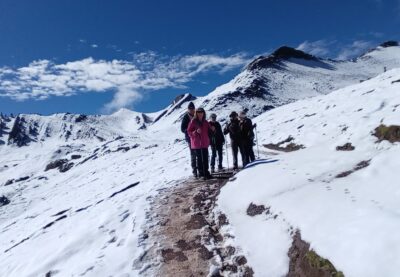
x,y
201,133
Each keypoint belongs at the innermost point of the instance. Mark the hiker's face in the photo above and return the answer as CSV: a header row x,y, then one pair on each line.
x,y
191,111
200,115
213,119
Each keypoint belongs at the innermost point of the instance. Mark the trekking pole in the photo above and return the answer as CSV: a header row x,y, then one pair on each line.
x,y
258,150
226,148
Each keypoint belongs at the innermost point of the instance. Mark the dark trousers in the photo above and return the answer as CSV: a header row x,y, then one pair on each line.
x,y
216,149
248,148
202,161
236,147
193,159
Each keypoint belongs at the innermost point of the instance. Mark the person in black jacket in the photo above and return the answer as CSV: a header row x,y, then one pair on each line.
x,y
217,141
246,128
233,129
184,126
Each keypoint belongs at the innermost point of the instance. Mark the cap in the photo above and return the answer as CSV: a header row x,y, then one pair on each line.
x,y
233,114
213,115
191,106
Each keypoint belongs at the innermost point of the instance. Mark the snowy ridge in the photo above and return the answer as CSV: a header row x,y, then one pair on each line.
x,y
288,75
345,203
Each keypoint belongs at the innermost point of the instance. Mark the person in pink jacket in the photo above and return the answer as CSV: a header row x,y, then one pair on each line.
x,y
198,131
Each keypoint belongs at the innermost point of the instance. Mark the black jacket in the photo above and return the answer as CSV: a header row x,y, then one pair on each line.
x,y
246,129
233,129
185,124
216,137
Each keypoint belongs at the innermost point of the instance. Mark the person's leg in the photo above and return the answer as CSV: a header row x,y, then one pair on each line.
x,y
205,162
219,150
193,160
235,149
213,156
199,159
252,157
243,153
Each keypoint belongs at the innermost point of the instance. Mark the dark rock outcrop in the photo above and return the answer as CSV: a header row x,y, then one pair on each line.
x,y
4,201
345,147
288,148
282,53
305,262
360,165
254,209
390,133
390,43
62,164
20,133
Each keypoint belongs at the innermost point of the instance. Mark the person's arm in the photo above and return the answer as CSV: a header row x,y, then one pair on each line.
x,y
185,123
220,133
192,130
226,129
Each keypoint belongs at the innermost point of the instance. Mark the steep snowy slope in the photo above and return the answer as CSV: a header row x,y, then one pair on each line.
x,y
288,75
346,204
77,207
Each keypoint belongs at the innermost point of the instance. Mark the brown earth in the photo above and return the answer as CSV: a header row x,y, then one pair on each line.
x,y
184,238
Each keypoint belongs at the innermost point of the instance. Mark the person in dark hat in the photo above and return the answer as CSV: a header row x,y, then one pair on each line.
x,y
233,129
217,141
246,129
184,126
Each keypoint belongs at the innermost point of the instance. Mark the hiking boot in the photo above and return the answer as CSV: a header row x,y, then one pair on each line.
x,y
220,168
212,170
195,174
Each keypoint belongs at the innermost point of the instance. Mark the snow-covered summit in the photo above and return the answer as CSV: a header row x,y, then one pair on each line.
x,y
289,74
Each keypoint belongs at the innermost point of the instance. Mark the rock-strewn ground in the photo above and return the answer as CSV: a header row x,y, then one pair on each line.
x,y
183,238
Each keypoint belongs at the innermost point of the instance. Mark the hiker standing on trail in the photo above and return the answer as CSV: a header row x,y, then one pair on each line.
x,y
233,129
246,129
184,126
217,141
198,131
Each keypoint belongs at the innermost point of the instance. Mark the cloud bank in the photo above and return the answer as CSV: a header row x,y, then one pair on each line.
x,y
334,49
148,71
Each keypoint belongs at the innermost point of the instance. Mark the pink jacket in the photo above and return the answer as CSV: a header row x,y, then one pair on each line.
x,y
198,141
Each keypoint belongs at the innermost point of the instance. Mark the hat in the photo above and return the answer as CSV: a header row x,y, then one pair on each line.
x,y
213,115
233,114
191,106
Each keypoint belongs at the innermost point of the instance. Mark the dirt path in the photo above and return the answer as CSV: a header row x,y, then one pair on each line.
x,y
183,237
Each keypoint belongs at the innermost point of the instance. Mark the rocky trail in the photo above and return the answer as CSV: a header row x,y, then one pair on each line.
x,y
183,236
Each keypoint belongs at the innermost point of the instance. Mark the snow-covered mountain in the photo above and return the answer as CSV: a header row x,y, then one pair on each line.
x,y
288,75
75,189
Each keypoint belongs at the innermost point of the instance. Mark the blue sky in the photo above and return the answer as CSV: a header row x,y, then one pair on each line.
x,y
97,56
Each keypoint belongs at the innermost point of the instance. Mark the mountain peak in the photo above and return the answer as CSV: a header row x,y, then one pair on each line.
x,y
286,52
282,53
389,43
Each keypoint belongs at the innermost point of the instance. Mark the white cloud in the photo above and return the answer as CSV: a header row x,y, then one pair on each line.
x,y
148,71
335,49
94,45
319,48
354,49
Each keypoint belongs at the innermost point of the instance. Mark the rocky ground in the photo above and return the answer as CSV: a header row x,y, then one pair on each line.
x,y
183,238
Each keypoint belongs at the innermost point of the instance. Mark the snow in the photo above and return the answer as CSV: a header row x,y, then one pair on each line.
x,y
351,221
102,235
